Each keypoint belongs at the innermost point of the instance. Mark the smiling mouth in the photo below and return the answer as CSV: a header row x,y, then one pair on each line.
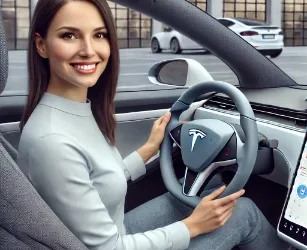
x,y
89,68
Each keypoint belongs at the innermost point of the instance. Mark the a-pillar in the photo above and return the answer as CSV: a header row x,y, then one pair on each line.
x,y
214,8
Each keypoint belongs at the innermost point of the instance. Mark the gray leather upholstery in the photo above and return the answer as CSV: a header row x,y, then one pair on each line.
x,y
26,222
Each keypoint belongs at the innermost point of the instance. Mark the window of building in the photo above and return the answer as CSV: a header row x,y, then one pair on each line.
x,y
294,22
249,9
202,4
133,28
16,19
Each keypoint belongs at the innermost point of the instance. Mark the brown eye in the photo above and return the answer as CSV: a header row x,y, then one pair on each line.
x,y
68,36
101,35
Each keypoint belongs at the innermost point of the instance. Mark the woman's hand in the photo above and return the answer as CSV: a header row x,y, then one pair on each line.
x,y
155,139
211,214
157,132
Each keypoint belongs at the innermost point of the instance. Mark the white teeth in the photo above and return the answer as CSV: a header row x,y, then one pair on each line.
x,y
85,67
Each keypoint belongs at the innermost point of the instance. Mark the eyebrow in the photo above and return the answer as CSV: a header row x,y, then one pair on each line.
x,y
76,29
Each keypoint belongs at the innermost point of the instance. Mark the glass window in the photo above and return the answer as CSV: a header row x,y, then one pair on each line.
x,y
251,9
133,28
202,4
16,19
294,22
226,23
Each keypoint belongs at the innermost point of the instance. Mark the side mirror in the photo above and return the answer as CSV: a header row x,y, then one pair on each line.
x,y
178,72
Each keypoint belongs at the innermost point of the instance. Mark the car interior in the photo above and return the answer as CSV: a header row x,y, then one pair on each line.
x,y
274,100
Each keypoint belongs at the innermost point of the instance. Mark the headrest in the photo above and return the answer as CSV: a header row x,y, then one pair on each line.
x,y
3,57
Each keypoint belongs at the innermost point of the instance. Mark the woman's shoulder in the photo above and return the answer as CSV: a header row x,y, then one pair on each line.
x,y
37,125
42,130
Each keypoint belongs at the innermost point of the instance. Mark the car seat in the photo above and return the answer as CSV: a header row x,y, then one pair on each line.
x,y
26,221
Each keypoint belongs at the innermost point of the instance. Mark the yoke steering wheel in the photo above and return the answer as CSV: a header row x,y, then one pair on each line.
x,y
208,145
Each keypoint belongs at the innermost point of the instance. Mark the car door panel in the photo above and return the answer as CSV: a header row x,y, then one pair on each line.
x,y
188,43
165,39
11,108
11,133
134,128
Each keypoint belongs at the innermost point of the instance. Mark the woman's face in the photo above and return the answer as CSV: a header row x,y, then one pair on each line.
x,y
76,47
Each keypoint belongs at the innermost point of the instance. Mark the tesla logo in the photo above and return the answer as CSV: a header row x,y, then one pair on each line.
x,y
196,134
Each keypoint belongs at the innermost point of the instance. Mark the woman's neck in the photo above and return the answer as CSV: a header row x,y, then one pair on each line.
x,y
67,90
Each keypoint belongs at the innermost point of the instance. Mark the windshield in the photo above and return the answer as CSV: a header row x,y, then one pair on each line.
x,y
138,35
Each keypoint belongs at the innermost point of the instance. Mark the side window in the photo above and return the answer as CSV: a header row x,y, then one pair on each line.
x,y
167,29
230,23
226,23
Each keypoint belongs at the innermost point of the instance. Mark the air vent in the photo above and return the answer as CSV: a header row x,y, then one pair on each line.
x,y
298,117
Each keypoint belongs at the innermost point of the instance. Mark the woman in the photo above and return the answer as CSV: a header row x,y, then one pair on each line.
x,y
67,146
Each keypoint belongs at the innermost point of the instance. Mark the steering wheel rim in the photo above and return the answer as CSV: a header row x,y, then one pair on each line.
x,y
246,155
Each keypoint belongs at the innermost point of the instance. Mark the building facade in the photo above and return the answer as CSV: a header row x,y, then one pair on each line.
x,y
134,29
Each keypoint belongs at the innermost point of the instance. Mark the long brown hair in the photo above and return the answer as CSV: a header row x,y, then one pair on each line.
x,y
102,94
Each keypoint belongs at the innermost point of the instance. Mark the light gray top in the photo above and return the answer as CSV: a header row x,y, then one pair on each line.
x,y
84,179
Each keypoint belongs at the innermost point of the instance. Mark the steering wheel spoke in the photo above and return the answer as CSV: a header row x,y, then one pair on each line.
x,y
175,134
196,182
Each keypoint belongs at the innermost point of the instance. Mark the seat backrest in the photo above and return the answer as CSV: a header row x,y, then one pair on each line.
x,y
26,221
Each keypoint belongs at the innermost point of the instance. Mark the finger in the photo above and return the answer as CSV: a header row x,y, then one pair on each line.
x,y
183,122
159,120
225,217
220,210
226,207
230,198
214,194
162,118
166,117
165,120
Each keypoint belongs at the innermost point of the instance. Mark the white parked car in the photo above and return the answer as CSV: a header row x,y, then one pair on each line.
x,y
173,40
266,38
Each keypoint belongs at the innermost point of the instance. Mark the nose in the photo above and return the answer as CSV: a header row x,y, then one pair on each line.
x,y
86,48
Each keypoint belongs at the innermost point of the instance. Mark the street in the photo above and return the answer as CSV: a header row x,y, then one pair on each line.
x,y
135,63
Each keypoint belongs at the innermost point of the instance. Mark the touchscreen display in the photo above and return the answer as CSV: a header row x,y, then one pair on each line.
x,y
296,210
294,221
